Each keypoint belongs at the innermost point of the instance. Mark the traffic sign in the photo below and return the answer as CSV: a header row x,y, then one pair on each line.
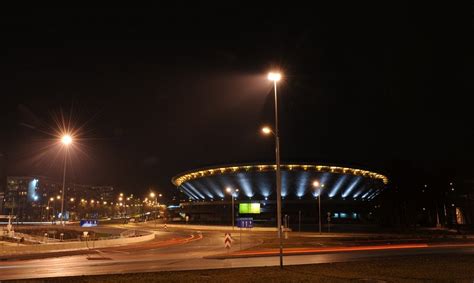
x,y
245,222
227,240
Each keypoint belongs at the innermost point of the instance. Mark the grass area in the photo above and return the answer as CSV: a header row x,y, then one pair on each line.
x,y
316,242
438,268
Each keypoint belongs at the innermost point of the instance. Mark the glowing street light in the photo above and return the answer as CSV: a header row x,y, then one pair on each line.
x,y
275,77
316,184
267,130
66,139
232,194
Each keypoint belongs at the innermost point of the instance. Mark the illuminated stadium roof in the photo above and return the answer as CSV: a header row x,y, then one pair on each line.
x,y
257,181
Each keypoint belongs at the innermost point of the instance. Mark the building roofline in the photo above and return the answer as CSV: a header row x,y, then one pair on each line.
x,y
222,169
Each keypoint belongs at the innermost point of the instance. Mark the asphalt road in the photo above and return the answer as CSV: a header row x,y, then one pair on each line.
x,y
185,250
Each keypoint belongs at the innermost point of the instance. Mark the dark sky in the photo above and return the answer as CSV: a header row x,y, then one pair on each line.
x,y
157,96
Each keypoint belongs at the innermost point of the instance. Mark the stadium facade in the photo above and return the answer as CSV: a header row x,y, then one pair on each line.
x,y
347,194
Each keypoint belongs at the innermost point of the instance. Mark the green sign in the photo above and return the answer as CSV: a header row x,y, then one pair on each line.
x,y
249,208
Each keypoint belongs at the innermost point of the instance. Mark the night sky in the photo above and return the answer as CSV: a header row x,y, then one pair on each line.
x,y
157,96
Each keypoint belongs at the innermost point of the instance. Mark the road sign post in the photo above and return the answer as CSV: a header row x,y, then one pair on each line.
x,y
329,222
240,240
244,222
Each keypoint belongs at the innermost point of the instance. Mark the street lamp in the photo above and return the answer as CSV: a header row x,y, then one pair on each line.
x,y
47,208
266,130
154,196
66,140
320,186
232,194
275,77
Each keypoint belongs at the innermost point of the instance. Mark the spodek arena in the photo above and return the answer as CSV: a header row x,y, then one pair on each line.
x,y
346,193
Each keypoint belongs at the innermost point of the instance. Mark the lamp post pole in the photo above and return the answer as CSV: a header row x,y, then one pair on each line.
x,y
154,205
278,174
66,140
64,188
275,77
232,195
319,207
316,184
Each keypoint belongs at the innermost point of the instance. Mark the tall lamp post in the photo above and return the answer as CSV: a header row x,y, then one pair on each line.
x,y
66,140
48,208
320,186
275,77
155,197
232,195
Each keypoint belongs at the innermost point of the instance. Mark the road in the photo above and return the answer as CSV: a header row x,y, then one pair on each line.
x,y
185,250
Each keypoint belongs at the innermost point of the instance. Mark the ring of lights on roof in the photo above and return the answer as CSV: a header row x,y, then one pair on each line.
x,y
258,181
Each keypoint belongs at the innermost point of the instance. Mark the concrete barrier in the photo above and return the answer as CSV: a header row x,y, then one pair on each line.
x,y
76,245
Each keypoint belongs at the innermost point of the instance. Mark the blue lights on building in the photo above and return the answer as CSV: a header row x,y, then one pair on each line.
x,y
335,189
32,187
